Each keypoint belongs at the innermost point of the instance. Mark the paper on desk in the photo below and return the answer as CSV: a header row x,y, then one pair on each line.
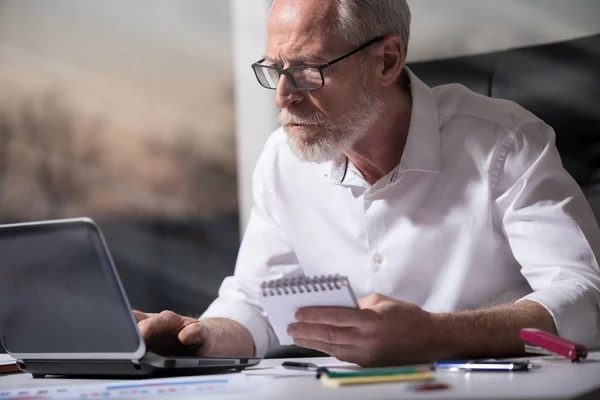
x,y
196,386
5,359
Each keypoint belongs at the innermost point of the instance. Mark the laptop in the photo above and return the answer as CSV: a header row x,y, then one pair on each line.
x,y
63,310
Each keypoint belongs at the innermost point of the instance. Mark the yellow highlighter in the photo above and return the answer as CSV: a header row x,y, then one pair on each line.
x,y
375,375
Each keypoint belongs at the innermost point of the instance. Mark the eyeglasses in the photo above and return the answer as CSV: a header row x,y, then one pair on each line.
x,y
303,77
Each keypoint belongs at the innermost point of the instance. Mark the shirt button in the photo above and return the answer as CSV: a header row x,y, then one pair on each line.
x,y
377,259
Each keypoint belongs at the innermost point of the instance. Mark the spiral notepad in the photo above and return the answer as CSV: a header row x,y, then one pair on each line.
x,y
281,298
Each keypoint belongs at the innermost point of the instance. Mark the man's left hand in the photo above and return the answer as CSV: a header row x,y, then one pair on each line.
x,y
384,331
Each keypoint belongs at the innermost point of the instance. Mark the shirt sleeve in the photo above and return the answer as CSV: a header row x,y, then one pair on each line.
x,y
551,230
265,253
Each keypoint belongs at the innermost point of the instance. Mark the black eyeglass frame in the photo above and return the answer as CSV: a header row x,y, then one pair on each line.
x,y
320,68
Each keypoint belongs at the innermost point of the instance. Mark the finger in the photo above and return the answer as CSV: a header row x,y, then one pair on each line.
x,y
325,333
372,300
192,335
334,350
335,316
163,323
147,328
140,316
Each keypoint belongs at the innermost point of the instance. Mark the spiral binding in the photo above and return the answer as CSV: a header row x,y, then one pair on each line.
x,y
302,284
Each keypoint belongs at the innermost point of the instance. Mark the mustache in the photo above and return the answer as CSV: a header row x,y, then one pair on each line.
x,y
286,117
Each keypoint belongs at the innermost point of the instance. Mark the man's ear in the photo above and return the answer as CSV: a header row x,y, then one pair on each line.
x,y
392,54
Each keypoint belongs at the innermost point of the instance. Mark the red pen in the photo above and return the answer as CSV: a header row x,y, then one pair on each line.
x,y
427,387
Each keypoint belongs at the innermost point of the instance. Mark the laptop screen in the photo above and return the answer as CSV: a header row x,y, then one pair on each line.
x,y
59,294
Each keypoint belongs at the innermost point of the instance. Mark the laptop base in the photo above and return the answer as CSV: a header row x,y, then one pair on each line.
x,y
124,369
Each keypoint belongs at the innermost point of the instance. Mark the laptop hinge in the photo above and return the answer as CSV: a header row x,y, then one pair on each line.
x,y
136,364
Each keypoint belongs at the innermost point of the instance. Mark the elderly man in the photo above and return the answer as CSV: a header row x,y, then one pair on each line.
x,y
449,212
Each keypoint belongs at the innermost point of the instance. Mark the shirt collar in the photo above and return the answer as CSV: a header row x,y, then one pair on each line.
x,y
336,170
422,150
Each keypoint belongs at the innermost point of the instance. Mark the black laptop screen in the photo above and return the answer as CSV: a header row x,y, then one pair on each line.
x,y
58,293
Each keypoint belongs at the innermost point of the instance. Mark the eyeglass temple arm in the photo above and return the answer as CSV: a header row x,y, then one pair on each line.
x,y
364,46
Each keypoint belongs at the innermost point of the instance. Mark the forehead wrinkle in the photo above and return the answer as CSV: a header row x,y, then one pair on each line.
x,y
295,48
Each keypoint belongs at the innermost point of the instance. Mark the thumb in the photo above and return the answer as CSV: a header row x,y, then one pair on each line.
x,y
192,334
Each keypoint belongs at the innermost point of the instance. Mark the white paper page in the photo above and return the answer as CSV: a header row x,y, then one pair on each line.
x,y
281,309
5,359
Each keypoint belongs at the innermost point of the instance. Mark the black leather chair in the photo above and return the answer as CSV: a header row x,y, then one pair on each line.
x,y
559,82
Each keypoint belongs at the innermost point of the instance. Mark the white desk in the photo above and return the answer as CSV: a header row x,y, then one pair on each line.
x,y
550,380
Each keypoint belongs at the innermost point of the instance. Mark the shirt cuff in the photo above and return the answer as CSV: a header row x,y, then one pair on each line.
x,y
247,316
574,310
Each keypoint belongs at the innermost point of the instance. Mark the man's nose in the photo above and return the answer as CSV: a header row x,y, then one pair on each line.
x,y
287,95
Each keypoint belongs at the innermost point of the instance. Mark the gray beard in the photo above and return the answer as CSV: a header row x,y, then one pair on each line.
x,y
333,142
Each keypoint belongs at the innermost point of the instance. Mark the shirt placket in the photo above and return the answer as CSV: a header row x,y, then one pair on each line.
x,y
375,226
375,229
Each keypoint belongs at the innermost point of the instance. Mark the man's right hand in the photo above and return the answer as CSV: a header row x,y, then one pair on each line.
x,y
170,334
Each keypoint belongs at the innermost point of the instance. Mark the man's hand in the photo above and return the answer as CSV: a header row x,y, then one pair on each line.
x,y
384,331
170,334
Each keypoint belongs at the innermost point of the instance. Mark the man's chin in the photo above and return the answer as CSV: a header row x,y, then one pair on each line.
x,y
311,154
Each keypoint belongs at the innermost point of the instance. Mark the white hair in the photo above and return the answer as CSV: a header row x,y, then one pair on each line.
x,y
359,21
362,20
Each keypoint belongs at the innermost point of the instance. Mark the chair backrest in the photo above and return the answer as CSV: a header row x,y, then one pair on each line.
x,y
558,82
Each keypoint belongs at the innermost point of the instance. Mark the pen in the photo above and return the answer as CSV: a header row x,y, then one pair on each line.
x,y
299,366
429,386
373,372
469,366
426,375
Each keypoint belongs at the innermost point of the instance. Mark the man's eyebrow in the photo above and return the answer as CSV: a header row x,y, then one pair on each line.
x,y
300,60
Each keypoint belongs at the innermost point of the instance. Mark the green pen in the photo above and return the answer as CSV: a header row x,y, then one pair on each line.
x,y
371,372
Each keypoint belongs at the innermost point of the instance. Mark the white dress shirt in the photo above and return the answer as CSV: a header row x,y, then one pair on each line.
x,y
479,212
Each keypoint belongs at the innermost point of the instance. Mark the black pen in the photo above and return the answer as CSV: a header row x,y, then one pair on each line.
x,y
299,365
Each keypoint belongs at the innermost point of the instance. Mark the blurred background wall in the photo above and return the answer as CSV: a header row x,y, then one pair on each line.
x,y
444,28
128,110
123,110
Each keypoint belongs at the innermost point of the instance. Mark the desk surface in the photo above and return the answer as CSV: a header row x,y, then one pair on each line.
x,y
551,379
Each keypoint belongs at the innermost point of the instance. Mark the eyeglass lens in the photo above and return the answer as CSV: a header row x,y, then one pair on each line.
x,y
305,78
